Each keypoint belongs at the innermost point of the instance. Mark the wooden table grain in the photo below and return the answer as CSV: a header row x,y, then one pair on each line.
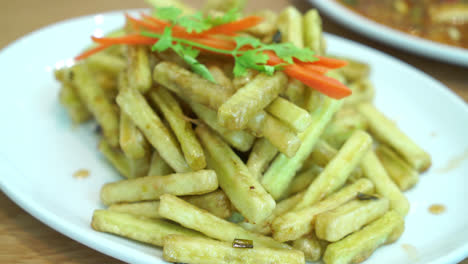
x,y
23,239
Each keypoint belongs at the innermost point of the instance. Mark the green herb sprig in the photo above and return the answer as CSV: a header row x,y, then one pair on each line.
x,y
196,22
254,58
249,52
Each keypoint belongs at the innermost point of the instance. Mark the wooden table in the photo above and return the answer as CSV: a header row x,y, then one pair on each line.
x,y
23,239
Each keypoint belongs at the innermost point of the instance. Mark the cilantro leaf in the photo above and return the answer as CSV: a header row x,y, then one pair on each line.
x,y
251,59
243,41
196,22
168,13
269,70
200,69
287,51
193,23
183,50
164,42
189,55
229,16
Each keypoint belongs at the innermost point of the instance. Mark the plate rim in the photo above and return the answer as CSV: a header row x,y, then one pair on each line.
x,y
60,225
392,37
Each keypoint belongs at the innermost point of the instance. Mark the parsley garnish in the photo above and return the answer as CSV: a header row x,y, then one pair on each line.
x,y
231,15
248,53
250,59
196,22
256,59
186,52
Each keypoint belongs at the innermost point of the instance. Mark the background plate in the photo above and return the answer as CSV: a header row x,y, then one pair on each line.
x,y
41,149
391,36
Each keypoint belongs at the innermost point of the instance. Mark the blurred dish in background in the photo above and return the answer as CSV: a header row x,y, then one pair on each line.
x,y
444,21
432,28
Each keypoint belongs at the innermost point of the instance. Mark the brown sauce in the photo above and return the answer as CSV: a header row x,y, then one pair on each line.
x,y
444,21
437,209
82,173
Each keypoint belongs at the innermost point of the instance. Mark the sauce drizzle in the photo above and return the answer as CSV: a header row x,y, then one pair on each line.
x,y
437,209
81,174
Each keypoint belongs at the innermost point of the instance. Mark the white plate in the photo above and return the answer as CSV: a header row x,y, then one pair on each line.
x,y
391,36
40,149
